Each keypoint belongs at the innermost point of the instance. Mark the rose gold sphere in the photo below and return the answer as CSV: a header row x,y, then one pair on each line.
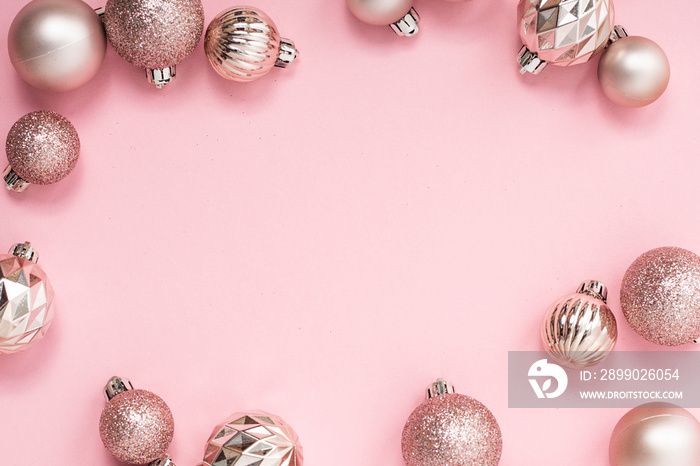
x,y
56,45
379,12
633,71
136,427
42,147
656,434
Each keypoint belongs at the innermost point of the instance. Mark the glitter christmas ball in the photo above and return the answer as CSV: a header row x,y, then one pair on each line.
x,y
660,296
56,45
565,32
26,299
154,34
136,426
243,44
656,434
253,438
450,429
42,148
579,330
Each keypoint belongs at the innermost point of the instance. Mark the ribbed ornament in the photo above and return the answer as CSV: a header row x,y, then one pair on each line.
x,y
579,330
565,32
243,44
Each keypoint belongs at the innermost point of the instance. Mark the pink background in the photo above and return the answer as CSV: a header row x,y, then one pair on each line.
x,y
325,242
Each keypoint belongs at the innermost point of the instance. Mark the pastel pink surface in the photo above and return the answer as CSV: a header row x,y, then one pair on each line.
x,y
325,242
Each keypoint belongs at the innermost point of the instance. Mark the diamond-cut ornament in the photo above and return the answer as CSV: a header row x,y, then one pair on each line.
x,y
253,438
26,299
565,32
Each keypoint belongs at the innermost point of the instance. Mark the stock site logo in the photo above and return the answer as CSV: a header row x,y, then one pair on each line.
x,y
542,370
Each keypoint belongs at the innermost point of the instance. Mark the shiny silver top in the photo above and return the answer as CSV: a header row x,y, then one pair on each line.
x,y
593,288
408,25
162,462
25,250
440,387
117,385
161,77
618,32
287,53
12,180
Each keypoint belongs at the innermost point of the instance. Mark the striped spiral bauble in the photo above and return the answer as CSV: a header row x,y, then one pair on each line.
x,y
579,330
243,44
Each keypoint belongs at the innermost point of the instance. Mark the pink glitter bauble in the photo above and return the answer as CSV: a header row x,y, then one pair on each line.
x,y
451,430
42,147
154,34
660,296
136,427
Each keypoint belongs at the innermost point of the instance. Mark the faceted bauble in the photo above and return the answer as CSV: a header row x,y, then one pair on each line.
x,y
656,434
451,430
253,438
565,32
660,296
26,303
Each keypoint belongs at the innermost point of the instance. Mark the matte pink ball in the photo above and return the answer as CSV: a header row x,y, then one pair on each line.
x,y
660,296
56,45
634,71
656,434
451,430
136,427
379,12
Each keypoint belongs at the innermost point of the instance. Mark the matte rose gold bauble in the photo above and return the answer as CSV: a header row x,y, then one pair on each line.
x,y
634,71
56,45
656,434
399,14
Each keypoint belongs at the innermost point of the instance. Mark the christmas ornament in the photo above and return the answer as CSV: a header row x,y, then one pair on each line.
x,y
451,430
243,44
633,71
42,148
136,426
253,438
26,299
656,434
660,296
579,330
399,14
56,45
154,34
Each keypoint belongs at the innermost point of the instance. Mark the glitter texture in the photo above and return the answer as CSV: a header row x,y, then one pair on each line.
x,y
42,147
451,430
660,296
154,34
253,438
26,303
136,427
